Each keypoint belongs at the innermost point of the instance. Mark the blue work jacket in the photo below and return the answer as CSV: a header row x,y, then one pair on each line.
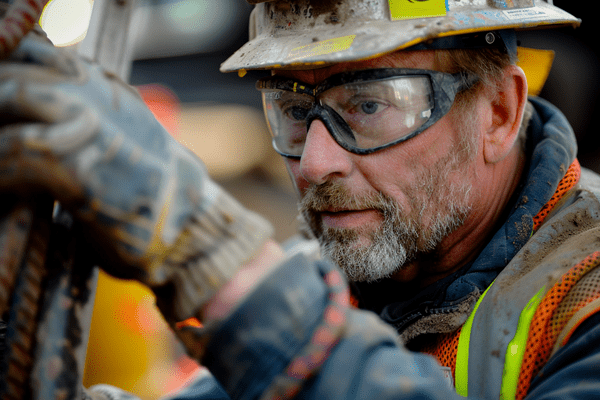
x,y
256,349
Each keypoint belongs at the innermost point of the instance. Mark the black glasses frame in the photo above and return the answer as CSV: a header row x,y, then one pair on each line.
x,y
445,87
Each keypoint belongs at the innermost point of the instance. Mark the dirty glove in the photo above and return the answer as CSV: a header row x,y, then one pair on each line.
x,y
69,129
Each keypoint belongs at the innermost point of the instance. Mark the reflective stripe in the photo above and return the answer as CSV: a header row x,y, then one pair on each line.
x,y
461,371
516,348
514,352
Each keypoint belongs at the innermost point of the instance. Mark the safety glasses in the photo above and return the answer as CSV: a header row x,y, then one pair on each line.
x,y
364,111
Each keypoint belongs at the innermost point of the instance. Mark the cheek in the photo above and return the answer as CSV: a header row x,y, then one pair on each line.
x,y
394,172
404,172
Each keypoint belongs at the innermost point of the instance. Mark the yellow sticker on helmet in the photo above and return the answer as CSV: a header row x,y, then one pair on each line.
x,y
323,47
409,9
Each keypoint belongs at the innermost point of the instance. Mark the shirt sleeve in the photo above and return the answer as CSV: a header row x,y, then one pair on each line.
x,y
286,341
296,337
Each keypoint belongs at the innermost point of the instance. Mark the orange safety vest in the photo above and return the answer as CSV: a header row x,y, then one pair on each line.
x,y
536,303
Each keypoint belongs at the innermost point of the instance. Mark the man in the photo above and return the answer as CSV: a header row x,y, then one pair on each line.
x,y
453,203
423,208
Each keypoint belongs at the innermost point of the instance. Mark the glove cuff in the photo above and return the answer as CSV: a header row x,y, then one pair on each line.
x,y
216,242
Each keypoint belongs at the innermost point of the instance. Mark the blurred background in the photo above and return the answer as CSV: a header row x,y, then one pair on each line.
x,y
178,46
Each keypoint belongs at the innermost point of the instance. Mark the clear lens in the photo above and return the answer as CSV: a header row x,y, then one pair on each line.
x,y
381,112
377,112
286,115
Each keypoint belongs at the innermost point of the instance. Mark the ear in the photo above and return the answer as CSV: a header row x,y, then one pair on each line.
x,y
507,103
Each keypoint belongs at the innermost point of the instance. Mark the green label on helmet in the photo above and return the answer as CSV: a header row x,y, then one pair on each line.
x,y
408,9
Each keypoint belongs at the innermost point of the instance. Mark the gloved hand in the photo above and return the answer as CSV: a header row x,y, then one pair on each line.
x,y
69,129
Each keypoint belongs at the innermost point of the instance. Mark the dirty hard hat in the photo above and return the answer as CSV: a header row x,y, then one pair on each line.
x,y
311,33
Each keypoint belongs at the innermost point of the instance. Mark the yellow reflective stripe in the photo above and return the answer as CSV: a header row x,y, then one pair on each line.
x,y
516,348
461,372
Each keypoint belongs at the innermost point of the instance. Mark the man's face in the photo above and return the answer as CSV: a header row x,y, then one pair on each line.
x,y
376,214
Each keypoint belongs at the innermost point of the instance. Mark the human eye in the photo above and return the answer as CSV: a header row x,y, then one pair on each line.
x,y
361,105
371,107
296,112
295,109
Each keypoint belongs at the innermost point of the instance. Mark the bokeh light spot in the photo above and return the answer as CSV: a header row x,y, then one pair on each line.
x,y
66,21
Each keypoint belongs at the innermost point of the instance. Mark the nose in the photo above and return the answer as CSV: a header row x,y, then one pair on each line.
x,y
323,158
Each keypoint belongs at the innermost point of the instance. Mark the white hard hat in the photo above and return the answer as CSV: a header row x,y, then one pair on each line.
x,y
311,33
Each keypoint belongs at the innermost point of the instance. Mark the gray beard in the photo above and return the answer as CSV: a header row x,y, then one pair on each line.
x,y
398,240
391,246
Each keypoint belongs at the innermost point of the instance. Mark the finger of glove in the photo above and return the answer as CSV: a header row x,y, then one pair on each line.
x,y
36,49
37,129
55,143
56,121
33,93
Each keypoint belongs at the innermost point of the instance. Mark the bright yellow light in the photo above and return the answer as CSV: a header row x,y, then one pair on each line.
x,y
66,21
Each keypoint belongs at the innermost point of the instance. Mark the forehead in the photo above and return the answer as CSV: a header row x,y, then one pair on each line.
x,y
402,59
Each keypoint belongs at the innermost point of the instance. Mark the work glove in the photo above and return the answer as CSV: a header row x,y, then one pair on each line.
x,y
145,202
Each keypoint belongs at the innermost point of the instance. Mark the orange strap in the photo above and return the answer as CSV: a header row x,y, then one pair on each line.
x,y
566,183
193,322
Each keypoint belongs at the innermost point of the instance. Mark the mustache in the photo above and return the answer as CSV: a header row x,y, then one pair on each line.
x,y
334,195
